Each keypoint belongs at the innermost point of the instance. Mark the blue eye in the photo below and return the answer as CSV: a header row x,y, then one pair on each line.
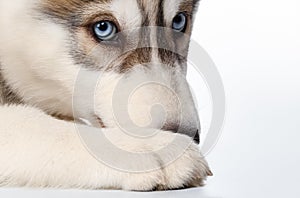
x,y
105,30
180,22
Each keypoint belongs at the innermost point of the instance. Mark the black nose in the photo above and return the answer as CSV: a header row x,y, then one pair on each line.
x,y
197,137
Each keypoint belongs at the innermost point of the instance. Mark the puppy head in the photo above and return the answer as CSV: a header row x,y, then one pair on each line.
x,y
124,59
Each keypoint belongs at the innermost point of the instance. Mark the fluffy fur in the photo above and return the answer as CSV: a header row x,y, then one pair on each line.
x,y
50,68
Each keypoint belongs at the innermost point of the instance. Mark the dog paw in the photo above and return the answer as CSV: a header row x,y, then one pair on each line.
x,y
177,163
190,169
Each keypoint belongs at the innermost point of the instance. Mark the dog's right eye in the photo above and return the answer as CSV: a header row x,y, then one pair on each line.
x,y
180,22
105,30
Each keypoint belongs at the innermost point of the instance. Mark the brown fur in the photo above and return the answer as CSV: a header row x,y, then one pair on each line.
x,y
7,95
139,56
82,14
64,9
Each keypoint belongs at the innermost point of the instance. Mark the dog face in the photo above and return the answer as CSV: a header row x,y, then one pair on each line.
x,y
112,62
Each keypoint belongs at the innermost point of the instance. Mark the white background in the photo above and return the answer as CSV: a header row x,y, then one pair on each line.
x,y
256,47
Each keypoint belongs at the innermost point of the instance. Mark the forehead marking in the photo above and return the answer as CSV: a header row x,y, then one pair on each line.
x,y
134,14
68,10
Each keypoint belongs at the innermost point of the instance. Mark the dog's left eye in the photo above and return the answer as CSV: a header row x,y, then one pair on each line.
x,y
105,30
180,22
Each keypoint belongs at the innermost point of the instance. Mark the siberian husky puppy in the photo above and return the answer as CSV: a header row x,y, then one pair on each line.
x,y
75,70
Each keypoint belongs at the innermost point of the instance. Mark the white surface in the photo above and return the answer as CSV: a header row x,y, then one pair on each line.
x,y
256,47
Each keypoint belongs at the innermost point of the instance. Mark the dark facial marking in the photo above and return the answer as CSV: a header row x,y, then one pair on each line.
x,y
67,10
7,94
137,57
71,13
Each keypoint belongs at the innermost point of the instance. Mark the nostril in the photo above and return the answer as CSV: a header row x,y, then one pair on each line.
x,y
197,137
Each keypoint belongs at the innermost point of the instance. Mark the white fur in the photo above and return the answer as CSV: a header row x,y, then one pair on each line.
x,y
40,151
141,92
170,9
42,68
127,12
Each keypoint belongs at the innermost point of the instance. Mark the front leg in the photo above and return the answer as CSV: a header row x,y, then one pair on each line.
x,y
37,150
